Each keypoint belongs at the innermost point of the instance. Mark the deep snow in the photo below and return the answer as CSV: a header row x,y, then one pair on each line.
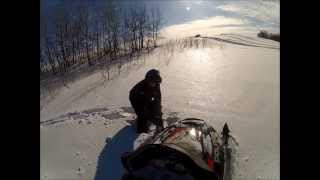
x,y
227,83
86,128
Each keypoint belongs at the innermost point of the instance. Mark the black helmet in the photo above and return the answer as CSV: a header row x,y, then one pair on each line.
x,y
153,75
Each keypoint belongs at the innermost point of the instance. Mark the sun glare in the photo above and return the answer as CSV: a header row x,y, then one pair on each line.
x,y
193,132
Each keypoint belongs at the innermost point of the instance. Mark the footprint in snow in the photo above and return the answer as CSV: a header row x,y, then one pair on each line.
x,y
81,155
107,123
80,170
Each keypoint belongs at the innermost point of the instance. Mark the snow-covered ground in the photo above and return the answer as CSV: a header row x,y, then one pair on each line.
x,y
234,79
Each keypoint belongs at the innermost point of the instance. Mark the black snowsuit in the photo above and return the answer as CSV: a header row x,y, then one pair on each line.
x,y
146,101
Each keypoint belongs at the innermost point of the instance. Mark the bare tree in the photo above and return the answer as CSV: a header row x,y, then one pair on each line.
x,y
142,25
82,36
124,30
61,25
46,47
156,23
74,37
85,32
97,31
115,28
133,27
107,18
49,52
42,62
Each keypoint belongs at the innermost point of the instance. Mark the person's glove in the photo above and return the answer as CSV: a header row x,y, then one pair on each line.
x,y
159,123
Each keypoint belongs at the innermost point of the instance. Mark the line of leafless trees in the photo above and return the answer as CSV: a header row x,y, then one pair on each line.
x,y
86,36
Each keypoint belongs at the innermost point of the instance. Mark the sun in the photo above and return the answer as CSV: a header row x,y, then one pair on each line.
x,y
188,8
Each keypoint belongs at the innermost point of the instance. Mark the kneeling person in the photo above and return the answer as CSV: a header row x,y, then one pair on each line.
x,y
145,98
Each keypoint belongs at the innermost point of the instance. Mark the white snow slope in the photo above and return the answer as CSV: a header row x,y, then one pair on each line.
x,y
86,128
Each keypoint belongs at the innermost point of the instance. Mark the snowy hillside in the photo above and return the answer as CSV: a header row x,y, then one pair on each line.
x,y
86,128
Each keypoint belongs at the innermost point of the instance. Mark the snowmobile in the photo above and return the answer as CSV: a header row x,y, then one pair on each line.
x,y
188,149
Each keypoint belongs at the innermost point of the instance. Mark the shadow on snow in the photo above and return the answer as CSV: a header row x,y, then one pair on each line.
x,y
109,163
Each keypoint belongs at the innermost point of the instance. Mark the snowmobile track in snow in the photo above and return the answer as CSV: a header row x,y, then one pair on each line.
x,y
245,41
126,113
77,116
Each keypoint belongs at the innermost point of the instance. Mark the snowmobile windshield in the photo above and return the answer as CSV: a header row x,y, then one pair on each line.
x,y
193,138
185,139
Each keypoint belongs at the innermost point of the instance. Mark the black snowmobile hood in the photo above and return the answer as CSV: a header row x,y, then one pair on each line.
x,y
135,160
185,138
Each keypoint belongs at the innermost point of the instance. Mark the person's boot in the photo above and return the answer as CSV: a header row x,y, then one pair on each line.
x,y
159,123
141,126
159,126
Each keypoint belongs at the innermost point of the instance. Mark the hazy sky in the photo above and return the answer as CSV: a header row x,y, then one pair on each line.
x,y
259,14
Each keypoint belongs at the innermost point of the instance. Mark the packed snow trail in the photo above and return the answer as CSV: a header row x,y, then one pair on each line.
x,y
225,83
245,41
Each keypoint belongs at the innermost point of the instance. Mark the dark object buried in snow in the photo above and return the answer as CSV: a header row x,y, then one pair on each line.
x,y
198,35
188,149
267,35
